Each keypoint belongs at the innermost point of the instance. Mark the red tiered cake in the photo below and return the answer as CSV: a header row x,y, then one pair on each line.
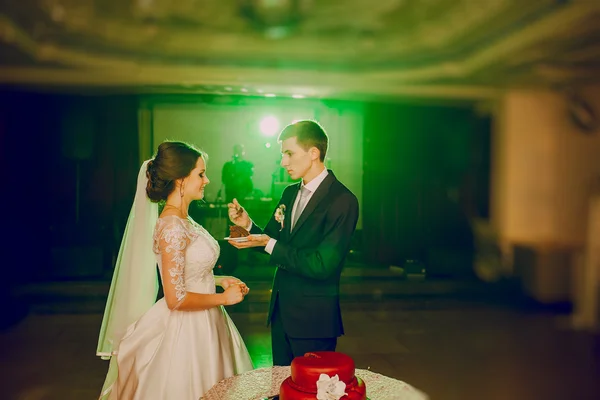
x,y
305,372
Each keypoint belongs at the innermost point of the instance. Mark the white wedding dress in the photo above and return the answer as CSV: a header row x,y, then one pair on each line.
x,y
180,354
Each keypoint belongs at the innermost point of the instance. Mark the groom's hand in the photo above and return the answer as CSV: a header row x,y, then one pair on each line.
x,y
253,241
237,214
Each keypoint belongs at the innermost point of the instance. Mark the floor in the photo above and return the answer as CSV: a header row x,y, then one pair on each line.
x,y
452,340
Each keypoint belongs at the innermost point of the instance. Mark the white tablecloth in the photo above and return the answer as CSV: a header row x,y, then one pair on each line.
x,y
264,383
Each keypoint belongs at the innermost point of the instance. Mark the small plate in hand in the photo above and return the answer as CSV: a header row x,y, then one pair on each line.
x,y
237,239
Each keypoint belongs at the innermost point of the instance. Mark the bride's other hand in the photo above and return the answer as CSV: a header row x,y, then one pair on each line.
x,y
237,214
227,281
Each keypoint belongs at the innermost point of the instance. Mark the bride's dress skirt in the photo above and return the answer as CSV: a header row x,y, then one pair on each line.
x,y
176,355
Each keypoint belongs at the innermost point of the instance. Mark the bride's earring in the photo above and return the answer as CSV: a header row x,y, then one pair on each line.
x,y
181,190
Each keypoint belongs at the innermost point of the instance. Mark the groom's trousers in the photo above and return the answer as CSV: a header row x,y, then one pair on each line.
x,y
285,348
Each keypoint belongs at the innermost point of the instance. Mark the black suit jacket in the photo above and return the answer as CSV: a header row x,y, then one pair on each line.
x,y
309,259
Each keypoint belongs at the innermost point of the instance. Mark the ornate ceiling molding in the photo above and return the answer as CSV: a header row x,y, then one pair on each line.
x,y
341,49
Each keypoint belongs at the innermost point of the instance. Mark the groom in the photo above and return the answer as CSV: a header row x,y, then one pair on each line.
x,y
308,238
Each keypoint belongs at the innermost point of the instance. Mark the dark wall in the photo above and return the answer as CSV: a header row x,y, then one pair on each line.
x,y
426,174
70,165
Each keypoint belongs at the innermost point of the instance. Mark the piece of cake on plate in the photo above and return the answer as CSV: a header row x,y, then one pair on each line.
x,y
237,232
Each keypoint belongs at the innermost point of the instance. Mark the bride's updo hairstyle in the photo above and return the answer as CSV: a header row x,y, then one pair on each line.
x,y
173,160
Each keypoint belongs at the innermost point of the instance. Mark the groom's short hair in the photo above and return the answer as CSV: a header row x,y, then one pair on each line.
x,y
308,134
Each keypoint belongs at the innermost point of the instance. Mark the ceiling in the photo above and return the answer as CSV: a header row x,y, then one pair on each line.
x,y
329,48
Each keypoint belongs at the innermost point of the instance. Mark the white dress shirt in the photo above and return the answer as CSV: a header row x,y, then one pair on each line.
x,y
313,185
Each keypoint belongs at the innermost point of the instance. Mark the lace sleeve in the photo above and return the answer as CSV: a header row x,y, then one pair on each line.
x,y
172,240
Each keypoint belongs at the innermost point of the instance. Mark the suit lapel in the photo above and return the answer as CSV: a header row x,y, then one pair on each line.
x,y
316,198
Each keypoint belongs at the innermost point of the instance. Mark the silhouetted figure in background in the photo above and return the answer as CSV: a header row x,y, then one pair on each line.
x,y
237,175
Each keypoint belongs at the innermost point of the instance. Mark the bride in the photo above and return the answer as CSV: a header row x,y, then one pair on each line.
x,y
180,346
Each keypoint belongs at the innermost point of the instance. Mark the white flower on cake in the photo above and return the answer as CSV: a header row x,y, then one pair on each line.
x,y
330,388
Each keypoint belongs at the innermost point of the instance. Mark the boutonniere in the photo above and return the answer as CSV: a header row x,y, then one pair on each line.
x,y
280,215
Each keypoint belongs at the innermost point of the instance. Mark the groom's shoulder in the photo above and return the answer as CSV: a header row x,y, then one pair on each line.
x,y
341,188
343,193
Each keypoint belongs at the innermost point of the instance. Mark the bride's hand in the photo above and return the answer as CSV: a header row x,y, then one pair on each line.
x,y
237,214
234,294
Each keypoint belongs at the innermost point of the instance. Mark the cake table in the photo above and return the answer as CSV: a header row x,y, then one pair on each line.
x,y
263,383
